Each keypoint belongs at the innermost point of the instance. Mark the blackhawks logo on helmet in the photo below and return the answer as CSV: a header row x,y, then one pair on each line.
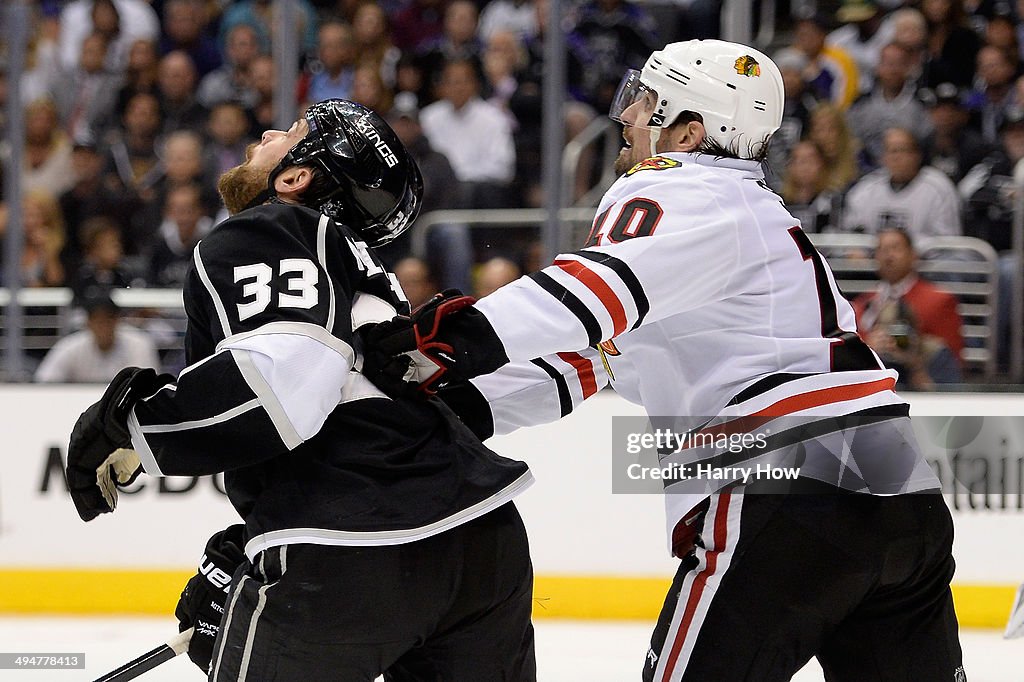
x,y
747,66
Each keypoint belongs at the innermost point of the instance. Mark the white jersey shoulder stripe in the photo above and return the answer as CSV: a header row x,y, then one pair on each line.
x,y
321,254
218,304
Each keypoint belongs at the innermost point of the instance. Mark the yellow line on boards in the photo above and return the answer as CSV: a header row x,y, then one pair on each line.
x,y
155,592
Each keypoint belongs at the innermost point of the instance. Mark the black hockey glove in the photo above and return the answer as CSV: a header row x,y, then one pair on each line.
x,y
435,342
100,457
201,605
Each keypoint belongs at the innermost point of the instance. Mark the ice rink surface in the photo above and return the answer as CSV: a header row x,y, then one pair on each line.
x,y
567,651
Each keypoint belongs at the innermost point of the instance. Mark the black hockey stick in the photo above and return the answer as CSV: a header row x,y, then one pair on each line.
x,y
151,659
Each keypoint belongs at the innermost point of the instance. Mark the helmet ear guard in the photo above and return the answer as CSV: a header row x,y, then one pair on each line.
x,y
363,175
736,89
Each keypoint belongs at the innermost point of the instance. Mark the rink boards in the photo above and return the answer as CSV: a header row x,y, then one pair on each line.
x,y
596,554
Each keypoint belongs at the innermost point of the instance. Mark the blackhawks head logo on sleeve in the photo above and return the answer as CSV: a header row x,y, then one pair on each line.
x,y
747,66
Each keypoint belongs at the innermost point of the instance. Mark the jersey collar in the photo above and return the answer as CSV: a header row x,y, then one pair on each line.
x,y
752,167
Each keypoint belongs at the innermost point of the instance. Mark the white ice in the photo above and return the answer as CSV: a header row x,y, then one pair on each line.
x,y
567,651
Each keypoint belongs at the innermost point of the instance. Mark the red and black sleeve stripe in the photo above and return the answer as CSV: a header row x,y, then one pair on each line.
x,y
573,303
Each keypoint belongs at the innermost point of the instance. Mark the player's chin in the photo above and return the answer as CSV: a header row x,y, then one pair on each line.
x,y
624,161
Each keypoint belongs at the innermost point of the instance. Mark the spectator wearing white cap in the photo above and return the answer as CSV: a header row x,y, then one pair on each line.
x,y
863,34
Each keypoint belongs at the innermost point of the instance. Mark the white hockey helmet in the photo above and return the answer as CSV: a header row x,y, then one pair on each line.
x,y
736,89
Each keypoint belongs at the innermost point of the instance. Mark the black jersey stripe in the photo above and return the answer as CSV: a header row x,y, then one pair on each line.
x,y
764,385
813,429
573,303
625,273
564,397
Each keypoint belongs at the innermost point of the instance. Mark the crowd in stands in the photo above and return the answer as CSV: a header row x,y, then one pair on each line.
x,y
899,114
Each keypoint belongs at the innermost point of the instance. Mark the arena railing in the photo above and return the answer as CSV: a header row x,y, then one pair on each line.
x,y
966,267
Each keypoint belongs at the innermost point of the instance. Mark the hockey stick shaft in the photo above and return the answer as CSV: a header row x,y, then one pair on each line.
x,y
151,659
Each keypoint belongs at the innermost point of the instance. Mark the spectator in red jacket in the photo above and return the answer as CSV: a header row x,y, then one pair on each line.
x,y
912,324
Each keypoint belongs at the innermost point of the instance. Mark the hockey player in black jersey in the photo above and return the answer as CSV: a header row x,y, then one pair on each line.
x,y
379,535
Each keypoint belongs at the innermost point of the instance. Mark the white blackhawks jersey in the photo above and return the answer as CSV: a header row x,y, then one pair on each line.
x,y
698,296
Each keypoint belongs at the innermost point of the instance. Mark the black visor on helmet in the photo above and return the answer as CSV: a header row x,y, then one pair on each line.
x,y
364,176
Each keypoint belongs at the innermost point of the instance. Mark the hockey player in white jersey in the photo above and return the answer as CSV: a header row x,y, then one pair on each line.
x,y
698,296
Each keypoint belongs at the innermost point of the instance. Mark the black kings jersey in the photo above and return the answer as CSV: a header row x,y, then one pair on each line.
x,y
272,395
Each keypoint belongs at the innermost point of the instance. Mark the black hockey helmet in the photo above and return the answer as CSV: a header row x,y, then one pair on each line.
x,y
366,178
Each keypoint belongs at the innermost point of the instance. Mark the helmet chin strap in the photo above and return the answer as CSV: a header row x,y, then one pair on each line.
x,y
655,135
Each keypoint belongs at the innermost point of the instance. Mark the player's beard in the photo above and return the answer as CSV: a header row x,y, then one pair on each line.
x,y
625,161
239,186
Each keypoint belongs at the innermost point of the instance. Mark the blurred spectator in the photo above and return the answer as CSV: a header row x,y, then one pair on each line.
x,y
527,106
996,93
952,45
228,130
951,146
101,350
183,161
796,110
495,273
903,194
122,21
260,15
912,324
418,25
337,55
988,191
863,35
87,95
132,164
141,74
831,73
232,82
474,135
803,187
176,88
185,30
449,247
458,41
103,265
1001,31
892,103
910,30
90,196
373,41
183,226
44,236
829,131
42,62
516,16
503,60
369,90
47,163
410,78
416,281
610,36
264,79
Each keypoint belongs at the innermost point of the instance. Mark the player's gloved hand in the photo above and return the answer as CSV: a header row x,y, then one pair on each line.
x,y
100,457
201,605
412,347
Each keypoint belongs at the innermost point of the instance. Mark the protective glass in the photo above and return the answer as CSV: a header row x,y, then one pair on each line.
x,y
634,102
